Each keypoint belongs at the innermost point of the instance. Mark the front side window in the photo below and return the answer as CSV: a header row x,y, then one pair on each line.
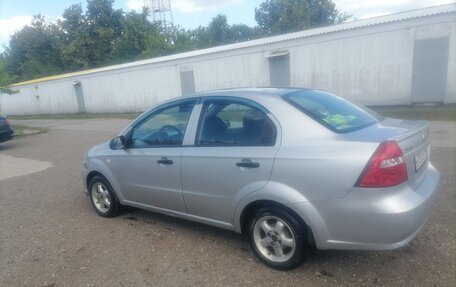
x,y
226,122
164,127
333,112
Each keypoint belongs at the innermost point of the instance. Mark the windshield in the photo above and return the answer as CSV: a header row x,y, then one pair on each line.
x,y
335,113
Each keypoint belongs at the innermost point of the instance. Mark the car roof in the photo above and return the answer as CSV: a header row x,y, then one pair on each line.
x,y
249,92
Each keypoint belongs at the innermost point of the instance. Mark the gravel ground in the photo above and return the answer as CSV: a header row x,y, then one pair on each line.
x,y
50,236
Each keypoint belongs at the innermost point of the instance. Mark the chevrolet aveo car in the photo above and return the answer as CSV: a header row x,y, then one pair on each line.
x,y
287,167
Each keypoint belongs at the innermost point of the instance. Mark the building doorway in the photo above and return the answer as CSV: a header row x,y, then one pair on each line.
x,y
79,96
279,70
430,65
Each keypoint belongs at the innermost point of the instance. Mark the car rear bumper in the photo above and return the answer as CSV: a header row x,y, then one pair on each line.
x,y
6,135
373,219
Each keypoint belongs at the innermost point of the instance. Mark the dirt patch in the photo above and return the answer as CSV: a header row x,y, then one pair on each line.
x,y
50,236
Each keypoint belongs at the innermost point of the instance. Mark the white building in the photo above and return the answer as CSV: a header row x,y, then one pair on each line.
x,y
397,59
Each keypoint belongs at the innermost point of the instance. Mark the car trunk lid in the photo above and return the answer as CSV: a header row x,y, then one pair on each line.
x,y
411,136
415,144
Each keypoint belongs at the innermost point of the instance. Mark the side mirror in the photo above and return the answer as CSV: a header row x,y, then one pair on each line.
x,y
117,143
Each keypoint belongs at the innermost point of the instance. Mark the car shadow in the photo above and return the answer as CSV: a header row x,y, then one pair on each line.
x,y
135,215
321,262
8,145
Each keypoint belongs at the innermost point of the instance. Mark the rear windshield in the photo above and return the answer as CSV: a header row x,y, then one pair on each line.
x,y
335,113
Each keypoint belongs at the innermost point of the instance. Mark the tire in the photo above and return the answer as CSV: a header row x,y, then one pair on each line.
x,y
103,199
277,238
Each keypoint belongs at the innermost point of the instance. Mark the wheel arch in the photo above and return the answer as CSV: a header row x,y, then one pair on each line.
x,y
91,175
98,168
248,211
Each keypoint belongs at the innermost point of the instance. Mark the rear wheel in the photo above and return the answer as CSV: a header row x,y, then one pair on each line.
x,y
277,238
103,199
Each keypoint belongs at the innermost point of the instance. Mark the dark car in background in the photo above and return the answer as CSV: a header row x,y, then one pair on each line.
x,y
6,132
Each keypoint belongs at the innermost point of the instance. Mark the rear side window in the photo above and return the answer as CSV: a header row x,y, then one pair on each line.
x,y
335,113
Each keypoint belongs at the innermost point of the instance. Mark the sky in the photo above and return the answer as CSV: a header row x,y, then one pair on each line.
x,y
14,14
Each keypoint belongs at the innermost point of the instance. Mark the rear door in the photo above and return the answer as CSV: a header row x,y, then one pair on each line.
x,y
235,146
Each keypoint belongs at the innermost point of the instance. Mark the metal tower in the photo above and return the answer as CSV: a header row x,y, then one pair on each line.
x,y
161,12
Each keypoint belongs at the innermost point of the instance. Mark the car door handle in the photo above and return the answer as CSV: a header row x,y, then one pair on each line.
x,y
164,160
249,164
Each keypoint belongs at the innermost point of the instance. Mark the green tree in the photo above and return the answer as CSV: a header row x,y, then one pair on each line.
x,y
137,33
283,16
104,25
102,35
180,40
200,38
33,51
74,47
4,78
242,32
156,46
219,30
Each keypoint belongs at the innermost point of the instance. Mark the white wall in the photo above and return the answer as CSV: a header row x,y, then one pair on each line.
x,y
373,69
372,65
44,98
131,90
245,70
451,76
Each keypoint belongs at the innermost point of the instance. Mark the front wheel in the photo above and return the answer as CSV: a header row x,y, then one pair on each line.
x,y
103,199
277,238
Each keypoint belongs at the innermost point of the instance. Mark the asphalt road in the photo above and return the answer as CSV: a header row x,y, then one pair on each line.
x,y
50,236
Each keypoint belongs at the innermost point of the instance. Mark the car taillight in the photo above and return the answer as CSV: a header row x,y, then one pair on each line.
x,y
385,168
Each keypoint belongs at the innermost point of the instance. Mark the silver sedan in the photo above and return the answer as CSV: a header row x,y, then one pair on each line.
x,y
289,167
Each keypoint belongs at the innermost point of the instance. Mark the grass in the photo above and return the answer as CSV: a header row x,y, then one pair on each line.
x,y
430,113
20,130
77,116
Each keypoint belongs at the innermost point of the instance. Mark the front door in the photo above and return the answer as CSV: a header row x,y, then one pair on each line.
x,y
149,169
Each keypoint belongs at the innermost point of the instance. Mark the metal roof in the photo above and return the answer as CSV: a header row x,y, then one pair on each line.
x,y
418,13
